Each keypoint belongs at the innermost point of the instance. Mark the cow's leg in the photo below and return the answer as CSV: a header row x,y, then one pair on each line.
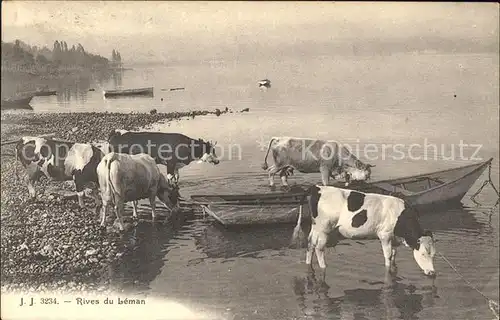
x,y
394,268
310,248
317,240
152,201
387,248
176,175
94,194
134,206
119,213
272,172
80,199
32,175
79,185
325,175
284,177
31,187
103,213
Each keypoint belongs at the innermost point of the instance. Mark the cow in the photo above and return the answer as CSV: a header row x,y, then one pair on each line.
x,y
124,178
174,150
313,156
59,161
349,214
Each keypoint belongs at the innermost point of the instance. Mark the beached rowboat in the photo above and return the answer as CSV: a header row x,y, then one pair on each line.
x,y
129,92
18,103
440,188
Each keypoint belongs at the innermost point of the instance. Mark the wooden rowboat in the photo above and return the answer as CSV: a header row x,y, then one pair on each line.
x,y
44,93
440,188
18,103
129,92
258,208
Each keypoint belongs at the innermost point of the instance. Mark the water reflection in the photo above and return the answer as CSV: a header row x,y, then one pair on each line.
x,y
117,77
394,300
218,242
147,245
459,218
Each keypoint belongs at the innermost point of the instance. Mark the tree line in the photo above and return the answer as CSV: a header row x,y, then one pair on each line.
x,y
21,55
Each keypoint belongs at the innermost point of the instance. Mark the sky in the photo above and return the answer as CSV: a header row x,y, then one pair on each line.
x,y
168,30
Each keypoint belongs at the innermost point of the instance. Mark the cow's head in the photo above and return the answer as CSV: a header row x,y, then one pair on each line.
x,y
39,156
361,172
116,133
208,151
168,191
424,252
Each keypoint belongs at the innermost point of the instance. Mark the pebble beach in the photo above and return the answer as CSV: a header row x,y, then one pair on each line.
x,y
51,244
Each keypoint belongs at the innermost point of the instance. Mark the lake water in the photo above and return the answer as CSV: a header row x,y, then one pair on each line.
x,y
430,101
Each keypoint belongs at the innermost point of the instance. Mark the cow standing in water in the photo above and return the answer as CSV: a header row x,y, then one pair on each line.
x,y
313,156
124,178
59,161
350,214
174,150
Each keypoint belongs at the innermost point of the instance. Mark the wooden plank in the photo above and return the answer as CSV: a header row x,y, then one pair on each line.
x,y
212,214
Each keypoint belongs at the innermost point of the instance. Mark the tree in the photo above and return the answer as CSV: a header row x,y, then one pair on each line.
x,y
56,54
42,60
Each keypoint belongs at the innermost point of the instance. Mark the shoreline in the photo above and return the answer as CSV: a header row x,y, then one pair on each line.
x,y
19,82
51,243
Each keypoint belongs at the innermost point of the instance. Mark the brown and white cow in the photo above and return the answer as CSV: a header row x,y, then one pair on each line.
x,y
313,156
59,161
349,214
124,178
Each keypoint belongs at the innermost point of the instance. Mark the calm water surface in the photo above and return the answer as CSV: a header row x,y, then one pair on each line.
x,y
438,101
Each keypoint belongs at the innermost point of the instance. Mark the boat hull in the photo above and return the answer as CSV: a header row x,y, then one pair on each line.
x,y
129,92
19,104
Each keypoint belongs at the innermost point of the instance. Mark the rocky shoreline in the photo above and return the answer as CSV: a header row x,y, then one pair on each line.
x,y
51,244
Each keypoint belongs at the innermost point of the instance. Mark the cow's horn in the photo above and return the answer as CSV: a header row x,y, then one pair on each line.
x,y
371,165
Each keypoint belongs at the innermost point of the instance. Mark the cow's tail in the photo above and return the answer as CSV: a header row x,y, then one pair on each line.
x,y
298,235
264,165
110,183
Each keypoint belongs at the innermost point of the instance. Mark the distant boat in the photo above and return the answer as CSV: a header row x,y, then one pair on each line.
x,y
129,92
173,89
17,103
265,83
44,93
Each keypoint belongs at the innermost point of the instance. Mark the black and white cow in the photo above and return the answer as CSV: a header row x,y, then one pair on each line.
x,y
59,161
174,150
349,214
313,156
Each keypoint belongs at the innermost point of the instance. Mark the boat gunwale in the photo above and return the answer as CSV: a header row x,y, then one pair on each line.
x,y
258,198
480,166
